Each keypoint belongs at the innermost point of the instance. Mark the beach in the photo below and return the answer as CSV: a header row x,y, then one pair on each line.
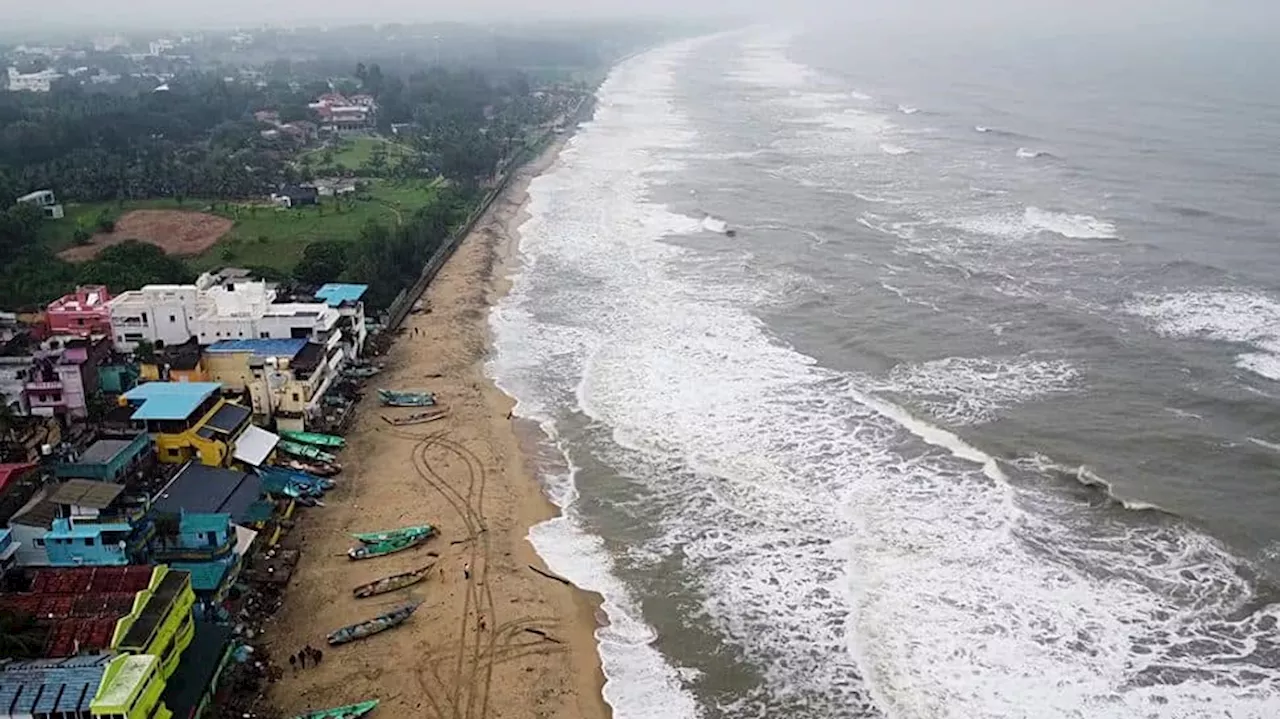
x,y
493,637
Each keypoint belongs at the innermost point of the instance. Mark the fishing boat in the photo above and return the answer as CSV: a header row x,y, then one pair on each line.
x,y
314,438
350,711
305,451
387,535
369,627
391,546
416,418
392,583
361,372
406,399
320,469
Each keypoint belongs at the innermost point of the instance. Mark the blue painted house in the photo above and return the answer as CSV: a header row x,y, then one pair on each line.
x,y
348,299
96,524
111,458
196,516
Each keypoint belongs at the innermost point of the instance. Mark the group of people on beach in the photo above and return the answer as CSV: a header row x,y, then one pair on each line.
x,y
299,660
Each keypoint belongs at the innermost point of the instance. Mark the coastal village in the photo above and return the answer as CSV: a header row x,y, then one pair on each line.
x,y
162,449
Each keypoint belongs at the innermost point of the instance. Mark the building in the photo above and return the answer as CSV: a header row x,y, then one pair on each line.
x,y
215,308
53,689
199,517
190,420
81,523
8,550
32,82
295,196
110,458
18,483
174,363
348,300
29,526
285,379
64,374
44,199
338,113
78,609
82,313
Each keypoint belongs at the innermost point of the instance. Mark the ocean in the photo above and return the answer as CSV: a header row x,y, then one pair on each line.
x,y
972,414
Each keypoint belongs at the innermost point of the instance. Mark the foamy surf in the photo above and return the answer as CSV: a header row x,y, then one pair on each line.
x,y
1033,221
861,561
1224,315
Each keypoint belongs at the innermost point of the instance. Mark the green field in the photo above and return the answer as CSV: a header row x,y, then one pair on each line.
x,y
265,235
353,154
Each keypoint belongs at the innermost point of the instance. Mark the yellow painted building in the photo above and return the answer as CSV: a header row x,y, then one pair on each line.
x,y
160,623
130,689
190,421
283,377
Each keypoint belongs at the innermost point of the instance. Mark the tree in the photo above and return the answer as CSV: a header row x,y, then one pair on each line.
x,y
20,636
321,262
144,352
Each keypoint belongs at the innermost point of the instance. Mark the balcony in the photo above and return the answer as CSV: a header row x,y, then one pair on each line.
x,y
45,386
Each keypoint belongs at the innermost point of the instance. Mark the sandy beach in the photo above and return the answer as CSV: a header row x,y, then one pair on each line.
x,y
496,640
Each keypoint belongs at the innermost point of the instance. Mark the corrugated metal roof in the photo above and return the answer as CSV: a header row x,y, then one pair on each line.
x,y
200,489
45,686
86,493
335,293
260,347
169,400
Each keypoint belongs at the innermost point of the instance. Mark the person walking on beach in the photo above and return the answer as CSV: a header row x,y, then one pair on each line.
x,y
481,622
316,656
293,662
466,570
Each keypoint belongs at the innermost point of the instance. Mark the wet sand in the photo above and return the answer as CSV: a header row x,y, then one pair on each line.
x,y
501,642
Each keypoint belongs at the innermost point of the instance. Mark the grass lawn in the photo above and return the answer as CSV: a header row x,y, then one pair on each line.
x,y
263,234
353,153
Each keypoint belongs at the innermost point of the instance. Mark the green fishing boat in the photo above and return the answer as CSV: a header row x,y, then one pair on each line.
x,y
314,438
305,451
390,546
350,711
389,534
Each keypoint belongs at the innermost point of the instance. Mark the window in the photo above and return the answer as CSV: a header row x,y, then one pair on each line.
x,y
144,318
80,321
173,318
211,538
297,397
39,542
174,452
264,335
88,541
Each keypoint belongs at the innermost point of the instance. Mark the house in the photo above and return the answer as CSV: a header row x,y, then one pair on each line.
x,y
32,82
116,375
341,114
81,313
45,200
97,524
285,379
110,458
197,515
334,187
295,196
18,483
29,526
269,117
348,299
174,363
64,374
216,307
190,420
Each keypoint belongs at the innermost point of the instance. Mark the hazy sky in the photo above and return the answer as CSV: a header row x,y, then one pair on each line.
x,y
927,14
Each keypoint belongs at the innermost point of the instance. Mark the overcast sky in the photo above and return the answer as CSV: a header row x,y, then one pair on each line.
x,y
943,14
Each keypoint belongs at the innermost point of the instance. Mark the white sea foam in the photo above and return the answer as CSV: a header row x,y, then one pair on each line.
x,y
1029,154
889,148
908,110
970,390
1227,315
714,224
860,96
1034,220
767,65
852,551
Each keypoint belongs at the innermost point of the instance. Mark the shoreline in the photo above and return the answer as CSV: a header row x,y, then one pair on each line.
x,y
496,639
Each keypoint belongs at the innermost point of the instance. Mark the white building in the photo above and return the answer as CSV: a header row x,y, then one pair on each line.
x,y
32,82
214,309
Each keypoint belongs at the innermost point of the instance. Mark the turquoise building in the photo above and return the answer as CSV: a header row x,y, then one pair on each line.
x,y
112,458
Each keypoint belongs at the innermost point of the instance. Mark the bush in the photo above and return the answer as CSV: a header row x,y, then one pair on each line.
x,y
106,223
81,236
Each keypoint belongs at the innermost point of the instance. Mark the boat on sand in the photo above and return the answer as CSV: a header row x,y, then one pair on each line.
x,y
386,535
391,546
369,627
392,583
350,711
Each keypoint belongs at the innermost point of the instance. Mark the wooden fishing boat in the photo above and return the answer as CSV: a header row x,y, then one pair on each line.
x,y
416,418
406,399
320,469
361,372
369,627
305,451
350,711
392,583
390,546
386,535
314,438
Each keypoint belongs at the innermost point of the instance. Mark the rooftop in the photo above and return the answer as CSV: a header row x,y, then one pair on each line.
x,y
126,673
86,493
46,686
260,347
37,512
200,663
169,400
200,489
104,450
157,606
336,293
10,472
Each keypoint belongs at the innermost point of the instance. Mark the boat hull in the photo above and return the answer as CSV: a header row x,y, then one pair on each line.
x,y
393,583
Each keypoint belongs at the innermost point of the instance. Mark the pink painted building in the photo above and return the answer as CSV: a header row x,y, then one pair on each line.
x,y
64,374
82,313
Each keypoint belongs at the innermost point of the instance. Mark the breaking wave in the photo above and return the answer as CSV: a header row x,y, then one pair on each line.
x,y
1224,315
